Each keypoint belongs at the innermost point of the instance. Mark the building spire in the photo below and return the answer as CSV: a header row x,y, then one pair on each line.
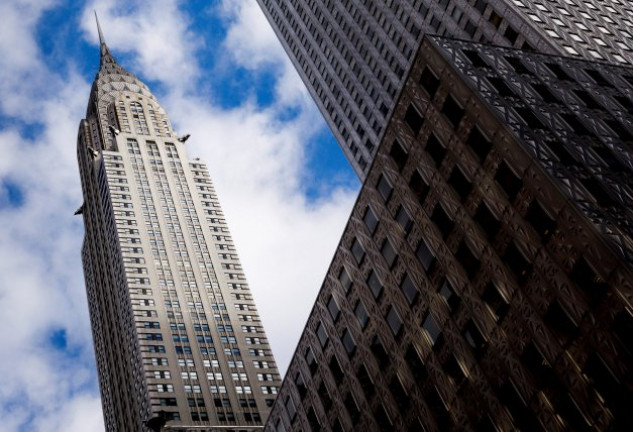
x,y
101,38
106,57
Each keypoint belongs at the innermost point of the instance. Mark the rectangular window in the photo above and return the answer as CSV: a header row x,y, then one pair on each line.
x,y
399,155
538,366
361,314
301,387
425,256
452,111
487,221
597,190
511,34
578,127
394,321
311,360
374,284
574,417
413,119
585,277
517,262
598,78
530,118
460,183
432,329
435,149
409,289
449,295
501,87
322,335
475,58
605,381
326,400
518,66
545,93
467,259
378,349
404,220
454,370
508,180
429,81
352,408
365,381
495,301
419,186
610,158
348,342
470,28
415,363
442,221
382,418
495,19
290,408
474,337
522,415
384,188
357,251
345,280
333,308
559,72
388,253
587,99
558,319
371,221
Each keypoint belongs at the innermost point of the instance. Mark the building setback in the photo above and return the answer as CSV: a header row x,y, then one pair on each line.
x,y
353,55
177,336
484,281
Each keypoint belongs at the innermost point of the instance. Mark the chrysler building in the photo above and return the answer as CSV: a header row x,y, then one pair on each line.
x,y
178,340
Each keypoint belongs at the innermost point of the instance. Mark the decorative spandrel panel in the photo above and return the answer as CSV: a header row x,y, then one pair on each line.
x,y
574,129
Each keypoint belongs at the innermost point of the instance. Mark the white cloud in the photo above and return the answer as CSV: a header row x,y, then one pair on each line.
x,y
20,66
40,283
250,39
155,32
257,162
82,414
252,43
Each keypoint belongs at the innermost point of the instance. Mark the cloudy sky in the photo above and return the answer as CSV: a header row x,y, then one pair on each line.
x,y
222,76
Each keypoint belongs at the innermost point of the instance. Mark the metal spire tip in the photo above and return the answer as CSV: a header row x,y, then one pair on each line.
x,y
101,38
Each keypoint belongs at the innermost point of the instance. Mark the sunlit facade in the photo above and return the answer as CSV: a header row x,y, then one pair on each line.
x,y
178,339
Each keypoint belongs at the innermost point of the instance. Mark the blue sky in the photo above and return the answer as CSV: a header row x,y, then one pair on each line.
x,y
222,76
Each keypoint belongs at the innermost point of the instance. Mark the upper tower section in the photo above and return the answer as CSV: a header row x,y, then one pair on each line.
x,y
121,103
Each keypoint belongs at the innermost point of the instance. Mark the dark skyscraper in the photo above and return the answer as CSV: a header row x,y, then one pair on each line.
x,y
484,279
177,336
353,56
